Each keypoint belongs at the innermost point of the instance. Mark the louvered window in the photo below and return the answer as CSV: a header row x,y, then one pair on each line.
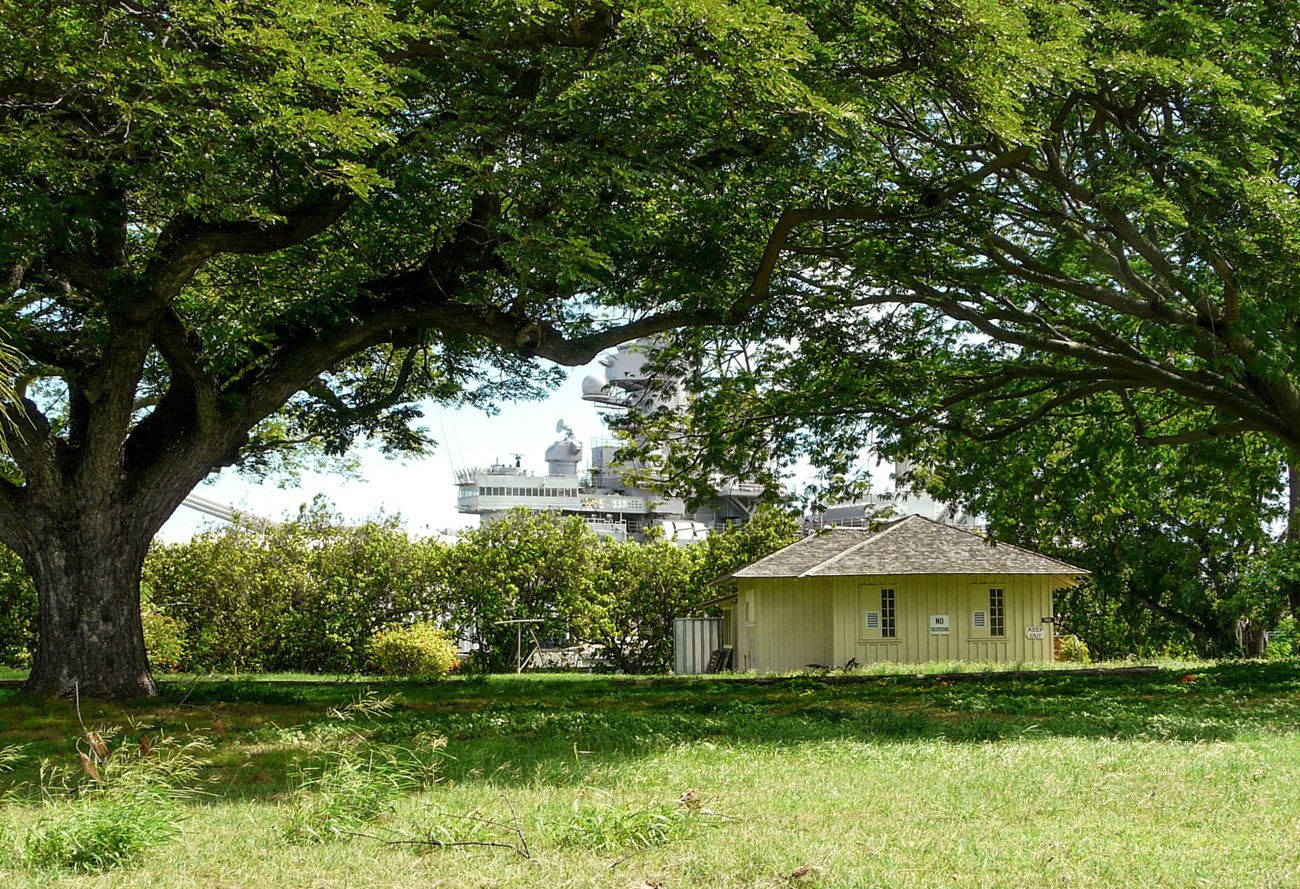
x,y
873,620
979,620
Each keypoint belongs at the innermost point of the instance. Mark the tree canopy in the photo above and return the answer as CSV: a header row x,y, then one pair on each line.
x,y
1048,207
348,207
1065,234
1123,222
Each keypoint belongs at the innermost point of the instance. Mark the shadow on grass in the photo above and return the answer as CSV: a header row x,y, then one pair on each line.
x,y
509,730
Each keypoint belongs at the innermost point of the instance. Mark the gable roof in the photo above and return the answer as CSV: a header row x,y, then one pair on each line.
x,y
912,545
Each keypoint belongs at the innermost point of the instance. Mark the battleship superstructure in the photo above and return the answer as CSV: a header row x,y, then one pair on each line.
x,y
603,493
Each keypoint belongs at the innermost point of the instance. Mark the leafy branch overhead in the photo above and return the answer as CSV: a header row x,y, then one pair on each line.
x,y
241,202
1119,215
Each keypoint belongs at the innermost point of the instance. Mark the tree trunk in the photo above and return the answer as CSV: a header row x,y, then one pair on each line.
x,y
87,570
1252,639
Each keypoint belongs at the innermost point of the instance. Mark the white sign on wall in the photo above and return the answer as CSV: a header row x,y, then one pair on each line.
x,y
1034,633
939,625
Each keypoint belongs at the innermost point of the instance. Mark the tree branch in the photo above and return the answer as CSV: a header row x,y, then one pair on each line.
x,y
186,243
1196,627
393,396
930,199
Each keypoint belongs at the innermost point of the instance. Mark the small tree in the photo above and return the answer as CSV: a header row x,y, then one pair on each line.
x,y
525,566
636,593
771,528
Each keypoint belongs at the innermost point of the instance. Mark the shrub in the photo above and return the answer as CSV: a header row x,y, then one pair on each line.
x,y
1072,649
418,650
18,611
638,589
524,566
164,639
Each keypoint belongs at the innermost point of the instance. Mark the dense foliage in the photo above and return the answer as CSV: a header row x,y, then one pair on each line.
x,y
1179,539
312,596
306,595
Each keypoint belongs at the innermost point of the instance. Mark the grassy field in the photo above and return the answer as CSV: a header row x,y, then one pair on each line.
x,y
1189,776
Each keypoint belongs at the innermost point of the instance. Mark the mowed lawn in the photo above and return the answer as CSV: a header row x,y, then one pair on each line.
x,y
1186,777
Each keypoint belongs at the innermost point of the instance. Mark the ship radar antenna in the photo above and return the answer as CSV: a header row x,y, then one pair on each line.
x,y
564,429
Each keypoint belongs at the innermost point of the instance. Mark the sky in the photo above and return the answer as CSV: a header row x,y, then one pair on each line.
x,y
421,491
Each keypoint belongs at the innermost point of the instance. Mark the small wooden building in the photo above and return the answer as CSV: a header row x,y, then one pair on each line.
x,y
913,591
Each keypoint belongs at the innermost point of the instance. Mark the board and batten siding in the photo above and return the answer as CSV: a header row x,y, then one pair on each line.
x,y
789,623
783,624
920,598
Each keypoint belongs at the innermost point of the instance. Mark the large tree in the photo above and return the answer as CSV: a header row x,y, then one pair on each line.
x,y
232,228
1108,215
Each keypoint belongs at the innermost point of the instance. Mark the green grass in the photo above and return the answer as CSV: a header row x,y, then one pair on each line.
x,y
1180,778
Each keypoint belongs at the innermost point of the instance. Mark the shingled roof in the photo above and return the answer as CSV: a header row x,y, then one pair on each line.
x,y
912,545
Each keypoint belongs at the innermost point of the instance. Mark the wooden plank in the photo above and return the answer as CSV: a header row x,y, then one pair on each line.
x,y
720,660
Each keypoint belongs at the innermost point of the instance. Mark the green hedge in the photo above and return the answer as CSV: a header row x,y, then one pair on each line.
x,y
304,596
312,595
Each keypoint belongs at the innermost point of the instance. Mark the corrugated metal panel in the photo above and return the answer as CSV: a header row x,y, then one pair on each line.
x,y
695,639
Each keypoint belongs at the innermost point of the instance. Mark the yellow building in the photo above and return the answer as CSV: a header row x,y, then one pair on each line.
x,y
914,590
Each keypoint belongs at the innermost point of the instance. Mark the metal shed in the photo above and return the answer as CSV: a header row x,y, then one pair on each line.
x,y
695,640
